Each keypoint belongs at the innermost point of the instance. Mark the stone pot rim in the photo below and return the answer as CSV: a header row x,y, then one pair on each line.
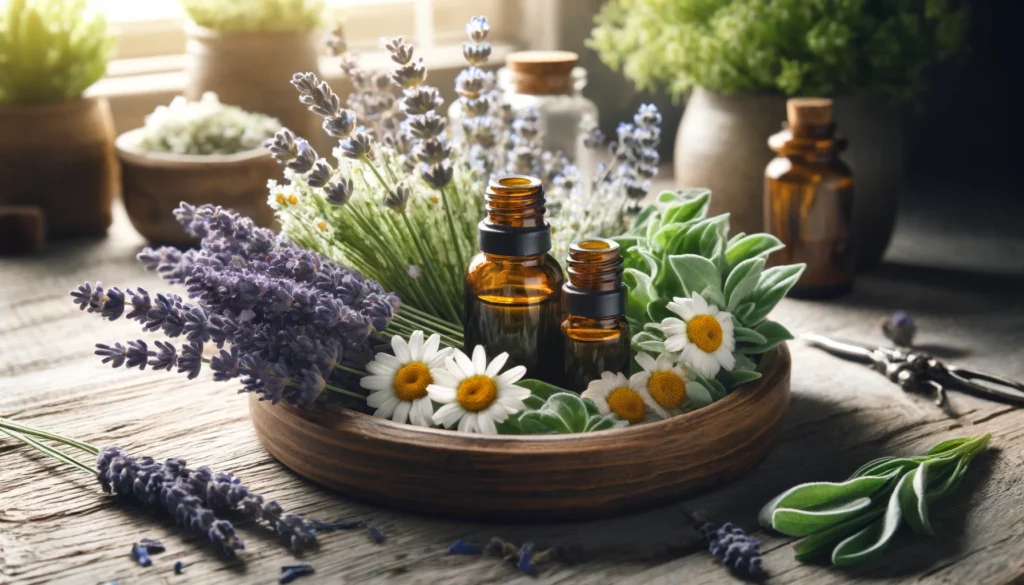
x,y
51,108
196,31
127,151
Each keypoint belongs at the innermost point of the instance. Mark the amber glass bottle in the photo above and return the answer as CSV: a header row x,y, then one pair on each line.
x,y
594,332
808,199
513,285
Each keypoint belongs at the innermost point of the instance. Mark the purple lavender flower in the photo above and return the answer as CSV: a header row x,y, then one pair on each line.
x,y
165,357
356,146
339,191
282,147
191,360
319,175
88,297
438,175
341,125
304,159
115,354
316,94
731,545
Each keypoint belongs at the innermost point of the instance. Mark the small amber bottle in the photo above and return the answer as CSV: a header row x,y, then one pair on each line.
x,y
595,332
808,199
513,285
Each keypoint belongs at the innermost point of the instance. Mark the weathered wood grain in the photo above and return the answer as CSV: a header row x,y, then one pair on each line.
x,y
57,527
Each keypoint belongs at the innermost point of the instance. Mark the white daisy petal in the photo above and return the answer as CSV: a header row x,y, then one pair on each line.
x,y
725,357
479,360
416,345
496,364
378,368
444,377
375,399
468,422
402,411
388,408
448,414
512,376
512,391
510,403
645,361
665,362
498,412
464,365
376,382
430,347
389,360
401,349
672,326
442,394
423,410
486,424
704,363
699,304
676,343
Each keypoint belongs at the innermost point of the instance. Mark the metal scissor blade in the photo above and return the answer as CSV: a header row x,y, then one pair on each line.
x,y
987,385
850,351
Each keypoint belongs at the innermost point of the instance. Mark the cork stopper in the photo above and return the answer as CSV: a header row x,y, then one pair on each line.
x,y
542,72
809,111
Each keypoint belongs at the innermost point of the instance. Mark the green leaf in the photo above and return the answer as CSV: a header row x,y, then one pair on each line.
x,y
804,522
742,281
716,388
743,312
774,283
748,336
667,233
647,341
949,445
539,392
566,412
734,378
685,205
809,496
773,334
913,499
821,542
641,291
657,311
743,362
698,396
646,215
752,246
872,541
695,273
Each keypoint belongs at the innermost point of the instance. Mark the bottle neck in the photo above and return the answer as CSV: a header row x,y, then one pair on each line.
x,y
514,225
578,322
807,142
595,288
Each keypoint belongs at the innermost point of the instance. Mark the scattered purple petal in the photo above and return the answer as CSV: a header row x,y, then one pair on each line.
x,y
141,555
178,566
462,547
290,573
377,535
339,524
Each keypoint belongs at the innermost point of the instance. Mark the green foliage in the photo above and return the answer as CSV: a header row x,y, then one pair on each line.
x,y
798,47
204,127
675,250
858,518
554,411
50,50
255,15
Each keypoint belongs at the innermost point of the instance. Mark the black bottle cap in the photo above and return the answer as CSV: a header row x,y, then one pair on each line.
x,y
593,304
513,241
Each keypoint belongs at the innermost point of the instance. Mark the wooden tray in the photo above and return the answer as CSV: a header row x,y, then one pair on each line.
x,y
519,478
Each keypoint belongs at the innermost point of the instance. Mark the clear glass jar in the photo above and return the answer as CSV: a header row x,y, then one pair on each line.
x,y
552,84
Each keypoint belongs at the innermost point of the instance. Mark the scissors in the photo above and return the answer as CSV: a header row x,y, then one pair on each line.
x,y
916,371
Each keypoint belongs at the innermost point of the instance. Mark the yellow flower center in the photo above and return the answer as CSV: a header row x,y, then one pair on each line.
x,y
281,198
705,332
476,393
667,389
627,404
321,225
411,381
293,199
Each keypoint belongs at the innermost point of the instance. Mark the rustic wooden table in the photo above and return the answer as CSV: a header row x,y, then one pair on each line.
x,y
57,527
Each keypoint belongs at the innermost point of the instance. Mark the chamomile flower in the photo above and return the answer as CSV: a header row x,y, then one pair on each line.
x,y
614,394
703,337
474,394
398,383
670,388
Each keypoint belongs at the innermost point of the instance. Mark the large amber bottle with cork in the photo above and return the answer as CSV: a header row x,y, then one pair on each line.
x,y
595,332
513,286
808,199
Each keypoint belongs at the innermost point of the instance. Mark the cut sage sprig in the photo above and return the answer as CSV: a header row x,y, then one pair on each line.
x,y
856,519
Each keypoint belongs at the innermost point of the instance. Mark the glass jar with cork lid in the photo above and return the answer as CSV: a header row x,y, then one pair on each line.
x,y
552,84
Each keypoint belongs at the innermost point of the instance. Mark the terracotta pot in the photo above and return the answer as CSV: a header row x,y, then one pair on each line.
x,y
155,183
722,145
252,71
60,157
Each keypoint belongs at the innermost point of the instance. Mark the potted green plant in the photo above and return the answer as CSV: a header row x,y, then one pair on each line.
x,y
246,52
197,152
739,59
56,146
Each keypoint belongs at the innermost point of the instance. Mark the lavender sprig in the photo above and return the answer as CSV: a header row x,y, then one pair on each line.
x,y
734,548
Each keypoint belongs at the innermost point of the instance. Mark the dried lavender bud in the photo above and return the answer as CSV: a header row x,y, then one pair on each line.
x,y
356,147
376,534
410,75
438,176
319,175
477,107
647,137
290,573
225,365
647,115
731,545
477,28
637,190
340,125
401,52
476,54
282,147
526,128
431,151
191,360
471,82
525,562
900,328
141,305
316,94
115,355
165,357
304,159
398,198
421,100
462,547
339,524
178,567
136,355
427,126
335,41
140,555
339,191
88,298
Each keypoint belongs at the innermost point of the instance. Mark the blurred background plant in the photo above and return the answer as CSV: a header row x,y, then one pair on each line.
x,y
50,50
255,15
204,127
798,47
